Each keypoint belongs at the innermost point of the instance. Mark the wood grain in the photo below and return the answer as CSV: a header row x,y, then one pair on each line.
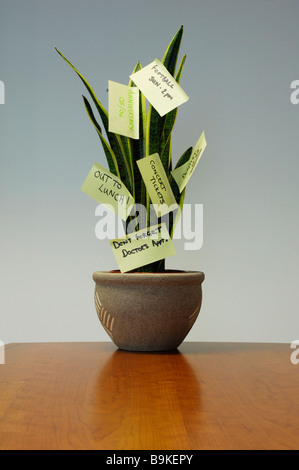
x,y
92,396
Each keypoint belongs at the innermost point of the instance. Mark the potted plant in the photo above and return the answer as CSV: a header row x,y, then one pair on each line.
x,y
143,306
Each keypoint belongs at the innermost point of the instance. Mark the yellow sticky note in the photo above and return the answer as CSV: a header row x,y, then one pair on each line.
x,y
157,184
159,87
182,174
123,107
108,189
142,248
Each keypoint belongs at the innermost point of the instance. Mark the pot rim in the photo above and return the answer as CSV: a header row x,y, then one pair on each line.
x,y
167,278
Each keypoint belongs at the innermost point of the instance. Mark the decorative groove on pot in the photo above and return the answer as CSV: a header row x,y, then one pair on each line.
x,y
193,317
105,318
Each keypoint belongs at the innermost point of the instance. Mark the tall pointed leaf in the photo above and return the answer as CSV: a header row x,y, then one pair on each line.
x,y
155,140
171,54
173,223
179,197
111,159
184,158
165,153
138,150
114,139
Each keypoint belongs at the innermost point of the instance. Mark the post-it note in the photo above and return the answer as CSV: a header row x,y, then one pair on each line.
x,y
108,189
157,184
159,87
142,248
123,108
182,174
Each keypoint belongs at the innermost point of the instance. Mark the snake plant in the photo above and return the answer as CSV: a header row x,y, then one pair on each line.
x,y
122,153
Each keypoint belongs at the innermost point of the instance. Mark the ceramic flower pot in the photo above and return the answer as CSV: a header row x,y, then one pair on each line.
x,y
148,311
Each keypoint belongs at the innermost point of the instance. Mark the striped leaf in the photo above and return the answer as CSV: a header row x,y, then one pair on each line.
x,y
177,216
168,127
179,197
171,54
184,158
115,141
156,138
111,159
138,150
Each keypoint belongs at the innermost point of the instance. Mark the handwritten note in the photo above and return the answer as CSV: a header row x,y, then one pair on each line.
x,y
157,184
142,248
159,87
123,107
183,174
108,189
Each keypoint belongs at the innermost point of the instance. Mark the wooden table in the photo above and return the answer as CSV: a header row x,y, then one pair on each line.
x,y
203,396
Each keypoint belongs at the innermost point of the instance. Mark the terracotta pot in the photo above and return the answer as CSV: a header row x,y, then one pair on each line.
x,y
148,311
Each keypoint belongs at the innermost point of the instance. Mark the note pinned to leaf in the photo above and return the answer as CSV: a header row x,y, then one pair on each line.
x,y
159,87
108,189
123,107
142,248
157,184
183,174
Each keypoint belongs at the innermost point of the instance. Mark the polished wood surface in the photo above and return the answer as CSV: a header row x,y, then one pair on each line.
x,y
203,396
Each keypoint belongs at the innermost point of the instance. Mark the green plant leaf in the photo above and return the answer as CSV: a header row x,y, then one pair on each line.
x,y
111,159
115,141
168,127
171,54
156,138
138,150
184,158
173,223
179,197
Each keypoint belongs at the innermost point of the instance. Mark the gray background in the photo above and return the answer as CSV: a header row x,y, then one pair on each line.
x,y
241,59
